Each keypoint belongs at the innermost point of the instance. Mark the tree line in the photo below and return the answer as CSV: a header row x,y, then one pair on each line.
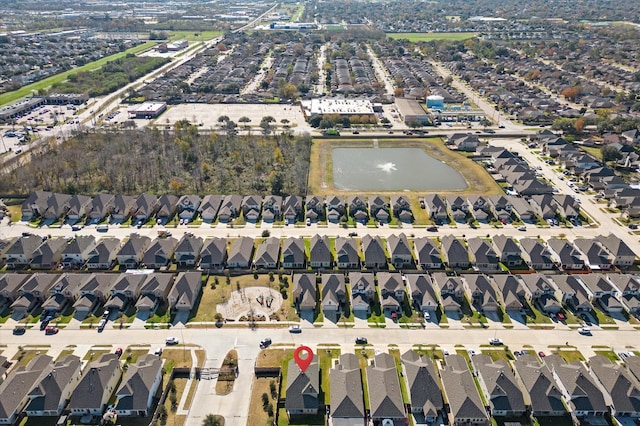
x,y
177,161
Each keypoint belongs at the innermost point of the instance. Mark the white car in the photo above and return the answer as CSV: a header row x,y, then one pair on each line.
x,y
171,341
584,331
471,352
426,315
522,228
295,329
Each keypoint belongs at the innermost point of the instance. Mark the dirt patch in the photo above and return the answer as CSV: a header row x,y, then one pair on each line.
x,y
257,302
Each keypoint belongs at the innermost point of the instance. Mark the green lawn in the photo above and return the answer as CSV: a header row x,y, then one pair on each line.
x,y
414,37
194,35
326,358
9,97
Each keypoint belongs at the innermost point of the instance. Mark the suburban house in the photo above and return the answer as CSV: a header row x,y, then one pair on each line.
x,y
392,292
267,254
160,253
362,287
623,256
358,208
240,253
76,252
319,252
595,255
187,207
153,293
16,387
209,207
125,291
271,208
347,256
542,292
568,206
336,208
20,252
564,254
383,387
131,253
166,208
436,208
400,251
214,254
305,294
94,292
501,207
252,207
122,207
347,396
482,254
451,293
523,210
185,291
303,389
483,295
579,388
64,292
423,295
314,208
620,384
230,208
32,293
499,386
139,386
378,209
187,252
334,295
144,207
513,293
479,207
629,286
545,205
77,206
52,392
427,254
604,293
373,251
35,205
57,206
571,292
96,386
463,142
454,252
507,250
103,255
424,386
458,207
541,387
401,208
293,253
292,208
536,254
9,285
465,404
48,254
100,207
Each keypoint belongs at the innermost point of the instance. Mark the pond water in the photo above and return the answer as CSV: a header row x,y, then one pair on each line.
x,y
392,169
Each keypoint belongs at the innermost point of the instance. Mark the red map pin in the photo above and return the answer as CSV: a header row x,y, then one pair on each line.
x,y
303,356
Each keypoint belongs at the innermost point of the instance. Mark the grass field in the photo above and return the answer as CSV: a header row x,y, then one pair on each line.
x,y
414,37
193,35
7,98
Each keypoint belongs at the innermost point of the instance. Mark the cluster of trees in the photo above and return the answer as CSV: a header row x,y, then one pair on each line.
x,y
331,120
112,76
181,161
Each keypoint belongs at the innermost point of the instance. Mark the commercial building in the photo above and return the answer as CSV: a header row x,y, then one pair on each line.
x,y
147,110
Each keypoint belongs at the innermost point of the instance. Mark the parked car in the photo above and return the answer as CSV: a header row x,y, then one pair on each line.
x,y
102,324
585,331
19,331
353,234
171,341
471,352
265,343
426,315
118,352
495,341
561,316
295,329
51,330
541,354
158,351
361,341
432,229
522,228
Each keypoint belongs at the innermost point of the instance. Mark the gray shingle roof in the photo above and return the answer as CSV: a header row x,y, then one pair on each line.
x,y
424,384
134,389
385,398
347,397
303,388
462,394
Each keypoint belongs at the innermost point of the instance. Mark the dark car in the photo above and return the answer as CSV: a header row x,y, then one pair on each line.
x,y
118,352
361,341
353,234
19,331
432,229
44,324
265,343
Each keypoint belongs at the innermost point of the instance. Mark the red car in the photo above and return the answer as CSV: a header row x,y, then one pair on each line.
x,y
561,316
542,354
118,352
51,330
